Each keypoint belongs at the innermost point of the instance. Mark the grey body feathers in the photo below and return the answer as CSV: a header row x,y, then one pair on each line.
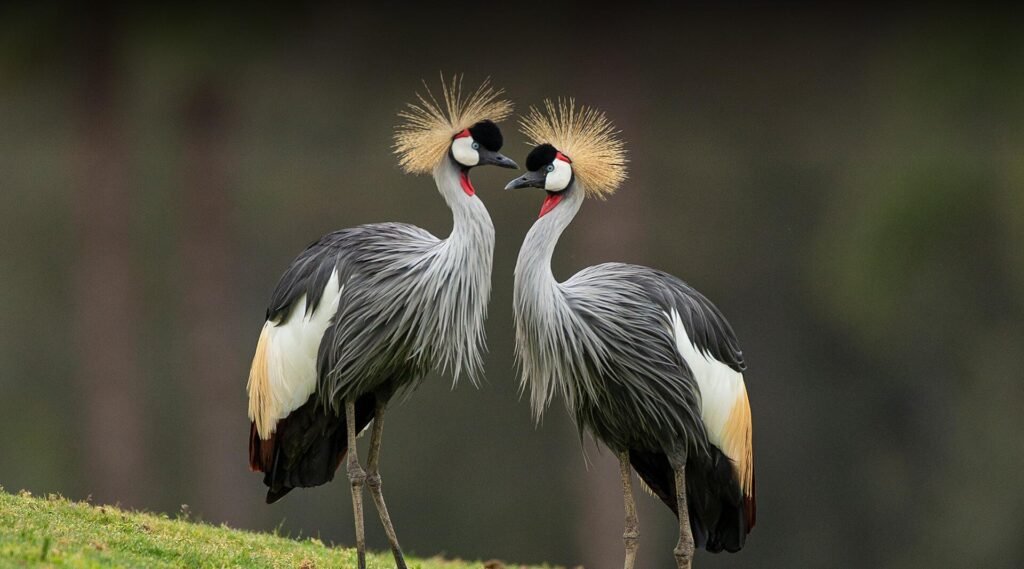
x,y
410,302
603,340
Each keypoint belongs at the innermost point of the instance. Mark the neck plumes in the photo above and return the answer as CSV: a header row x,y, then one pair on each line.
x,y
545,325
460,279
470,217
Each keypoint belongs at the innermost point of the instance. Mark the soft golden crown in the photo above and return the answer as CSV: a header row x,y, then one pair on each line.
x,y
586,137
423,139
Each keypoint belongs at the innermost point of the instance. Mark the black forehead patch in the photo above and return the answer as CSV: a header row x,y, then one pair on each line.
x,y
487,134
540,157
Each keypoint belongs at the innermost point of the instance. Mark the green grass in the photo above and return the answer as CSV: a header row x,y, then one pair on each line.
x,y
57,532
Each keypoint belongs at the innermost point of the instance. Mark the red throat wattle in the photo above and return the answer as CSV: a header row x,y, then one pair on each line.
x,y
467,186
549,204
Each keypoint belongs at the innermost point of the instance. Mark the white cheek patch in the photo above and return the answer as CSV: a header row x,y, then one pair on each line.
x,y
558,179
463,151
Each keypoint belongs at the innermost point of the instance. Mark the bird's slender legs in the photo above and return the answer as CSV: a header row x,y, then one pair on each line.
x,y
631,536
373,480
356,476
684,549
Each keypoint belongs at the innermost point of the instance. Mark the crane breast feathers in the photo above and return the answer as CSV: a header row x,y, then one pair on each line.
x,y
283,373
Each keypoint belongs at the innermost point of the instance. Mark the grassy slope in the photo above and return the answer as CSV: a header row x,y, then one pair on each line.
x,y
57,532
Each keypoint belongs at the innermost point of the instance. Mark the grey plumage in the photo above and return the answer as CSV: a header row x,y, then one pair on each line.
x,y
644,362
366,312
410,302
603,340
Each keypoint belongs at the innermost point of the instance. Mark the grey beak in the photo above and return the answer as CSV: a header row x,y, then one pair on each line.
x,y
528,180
497,159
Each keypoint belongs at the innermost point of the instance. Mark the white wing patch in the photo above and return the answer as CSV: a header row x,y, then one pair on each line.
x,y
720,385
725,408
283,373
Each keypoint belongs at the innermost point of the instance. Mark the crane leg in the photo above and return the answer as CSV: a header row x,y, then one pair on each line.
x,y
374,482
631,536
357,477
684,549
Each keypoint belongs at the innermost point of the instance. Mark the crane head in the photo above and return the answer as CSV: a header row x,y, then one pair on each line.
x,y
577,147
456,128
549,170
479,145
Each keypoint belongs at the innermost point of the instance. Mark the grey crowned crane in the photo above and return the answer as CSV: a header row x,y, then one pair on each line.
x,y
644,362
364,313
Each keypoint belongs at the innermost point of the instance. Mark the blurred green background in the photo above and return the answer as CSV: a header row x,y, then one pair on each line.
x,y
846,184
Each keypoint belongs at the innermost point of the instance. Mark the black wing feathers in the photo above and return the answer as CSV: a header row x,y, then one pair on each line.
x,y
310,443
705,324
713,496
308,274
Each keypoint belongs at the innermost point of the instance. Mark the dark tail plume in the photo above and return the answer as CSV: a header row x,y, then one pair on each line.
x,y
720,516
306,448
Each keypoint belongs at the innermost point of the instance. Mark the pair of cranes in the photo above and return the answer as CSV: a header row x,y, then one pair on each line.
x,y
644,362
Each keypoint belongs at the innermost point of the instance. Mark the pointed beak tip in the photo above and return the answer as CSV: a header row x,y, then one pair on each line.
x,y
527,180
513,184
506,162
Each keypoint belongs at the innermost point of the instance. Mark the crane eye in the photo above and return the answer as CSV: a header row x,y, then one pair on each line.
x,y
550,168
476,146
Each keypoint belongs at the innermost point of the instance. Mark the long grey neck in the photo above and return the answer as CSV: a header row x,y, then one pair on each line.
x,y
459,280
534,265
542,315
472,224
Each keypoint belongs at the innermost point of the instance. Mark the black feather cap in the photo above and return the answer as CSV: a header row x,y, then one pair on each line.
x,y
540,156
487,134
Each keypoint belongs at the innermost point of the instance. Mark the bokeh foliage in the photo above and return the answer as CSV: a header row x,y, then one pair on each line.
x,y
846,184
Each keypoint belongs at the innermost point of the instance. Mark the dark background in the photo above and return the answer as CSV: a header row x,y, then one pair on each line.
x,y
847,185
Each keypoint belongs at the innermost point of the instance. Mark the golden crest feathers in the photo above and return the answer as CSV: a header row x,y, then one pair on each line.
x,y
585,136
423,138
